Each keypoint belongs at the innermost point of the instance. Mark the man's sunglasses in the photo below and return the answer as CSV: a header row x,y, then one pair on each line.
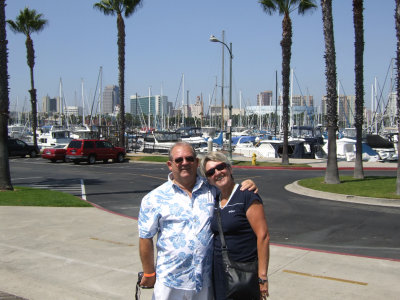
x,y
220,167
179,160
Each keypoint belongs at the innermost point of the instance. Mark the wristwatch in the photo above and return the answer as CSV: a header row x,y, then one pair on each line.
x,y
262,281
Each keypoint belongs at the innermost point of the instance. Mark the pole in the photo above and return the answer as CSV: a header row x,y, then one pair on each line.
x,y
222,83
276,100
230,103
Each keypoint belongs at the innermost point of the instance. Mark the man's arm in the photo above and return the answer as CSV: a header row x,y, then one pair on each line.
x,y
250,185
146,251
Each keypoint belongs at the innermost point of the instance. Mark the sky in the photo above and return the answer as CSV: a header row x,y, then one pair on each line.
x,y
168,39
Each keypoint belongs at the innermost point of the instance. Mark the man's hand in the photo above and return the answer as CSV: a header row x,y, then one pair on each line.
x,y
250,185
148,282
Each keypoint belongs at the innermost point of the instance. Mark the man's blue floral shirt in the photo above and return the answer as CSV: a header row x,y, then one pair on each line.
x,y
184,244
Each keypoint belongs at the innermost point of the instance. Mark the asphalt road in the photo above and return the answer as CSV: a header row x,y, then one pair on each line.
x,y
293,219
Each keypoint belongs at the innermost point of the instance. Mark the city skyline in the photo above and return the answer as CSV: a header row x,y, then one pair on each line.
x,y
164,41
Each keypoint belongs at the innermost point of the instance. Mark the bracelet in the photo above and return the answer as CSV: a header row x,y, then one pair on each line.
x,y
149,275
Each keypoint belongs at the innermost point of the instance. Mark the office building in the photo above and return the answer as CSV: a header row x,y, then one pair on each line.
x,y
110,99
73,111
264,98
345,110
159,105
51,105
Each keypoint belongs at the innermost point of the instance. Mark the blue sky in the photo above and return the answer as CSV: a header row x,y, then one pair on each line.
x,y
165,39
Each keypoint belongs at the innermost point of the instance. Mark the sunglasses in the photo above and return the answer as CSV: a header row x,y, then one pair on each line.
x,y
179,160
220,167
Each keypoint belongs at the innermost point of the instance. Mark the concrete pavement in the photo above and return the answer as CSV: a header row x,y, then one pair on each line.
x,y
87,253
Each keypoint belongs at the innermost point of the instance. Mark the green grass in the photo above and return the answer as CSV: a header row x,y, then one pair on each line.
x,y
268,164
370,186
24,196
150,158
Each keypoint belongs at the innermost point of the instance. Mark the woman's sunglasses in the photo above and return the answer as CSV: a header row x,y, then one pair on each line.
x,y
179,160
220,167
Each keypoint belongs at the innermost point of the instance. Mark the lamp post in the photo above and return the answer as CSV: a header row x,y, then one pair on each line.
x,y
228,129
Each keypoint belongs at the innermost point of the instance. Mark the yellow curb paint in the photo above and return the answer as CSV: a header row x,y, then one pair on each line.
x,y
325,277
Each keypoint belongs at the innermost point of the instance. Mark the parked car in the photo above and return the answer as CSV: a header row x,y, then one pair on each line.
x,y
92,150
17,147
56,153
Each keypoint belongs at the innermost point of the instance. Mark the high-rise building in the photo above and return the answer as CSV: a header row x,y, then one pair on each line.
x,y
298,100
110,99
264,98
50,105
73,110
196,109
159,105
345,109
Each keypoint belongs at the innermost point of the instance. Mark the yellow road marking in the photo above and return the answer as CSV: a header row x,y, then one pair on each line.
x,y
112,242
325,277
152,176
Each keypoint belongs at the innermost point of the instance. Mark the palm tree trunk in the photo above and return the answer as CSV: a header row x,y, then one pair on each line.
x,y
5,178
121,79
397,21
286,45
30,53
359,86
332,171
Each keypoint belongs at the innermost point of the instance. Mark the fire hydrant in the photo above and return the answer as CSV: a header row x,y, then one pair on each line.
x,y
253,159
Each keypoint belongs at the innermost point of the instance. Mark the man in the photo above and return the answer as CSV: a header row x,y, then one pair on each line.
x,y
180,212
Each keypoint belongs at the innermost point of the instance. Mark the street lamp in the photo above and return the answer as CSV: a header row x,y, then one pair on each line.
x,y
228,129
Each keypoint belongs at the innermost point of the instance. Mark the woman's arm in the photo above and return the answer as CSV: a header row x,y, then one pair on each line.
x,y
256,216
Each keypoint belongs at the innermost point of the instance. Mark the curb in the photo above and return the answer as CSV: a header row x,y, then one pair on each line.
x,y
298,189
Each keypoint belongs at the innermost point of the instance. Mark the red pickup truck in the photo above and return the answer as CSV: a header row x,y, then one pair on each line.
x,y
94,150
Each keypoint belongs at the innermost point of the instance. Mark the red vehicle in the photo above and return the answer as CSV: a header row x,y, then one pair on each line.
x,y
92,150
55,153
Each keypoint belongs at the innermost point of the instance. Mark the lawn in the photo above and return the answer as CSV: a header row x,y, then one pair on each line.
x,y
370,186
269,164
24,196
160,158
150,158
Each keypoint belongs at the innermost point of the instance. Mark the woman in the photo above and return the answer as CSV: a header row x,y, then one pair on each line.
x,y
243,223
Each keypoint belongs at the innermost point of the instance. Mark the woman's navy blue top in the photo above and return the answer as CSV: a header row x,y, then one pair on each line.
x,y
239,236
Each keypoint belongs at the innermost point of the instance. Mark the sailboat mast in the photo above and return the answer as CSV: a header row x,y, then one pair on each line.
x,y
183,100
162,109
240,108
376,111
148,117
83,103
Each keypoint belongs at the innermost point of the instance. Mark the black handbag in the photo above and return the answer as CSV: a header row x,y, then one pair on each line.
x,y
241,278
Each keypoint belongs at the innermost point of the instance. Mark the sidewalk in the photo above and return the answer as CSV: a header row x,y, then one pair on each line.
x,y
88,253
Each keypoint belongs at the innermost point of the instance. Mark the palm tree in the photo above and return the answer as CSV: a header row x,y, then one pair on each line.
x,y
358,20
28,22
332,171
397,21
5,178
285,7
119,8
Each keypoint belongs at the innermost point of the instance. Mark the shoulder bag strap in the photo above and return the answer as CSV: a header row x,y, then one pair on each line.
x,y
221,233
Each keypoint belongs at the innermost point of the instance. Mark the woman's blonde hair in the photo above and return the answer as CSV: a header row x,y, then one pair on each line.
x,y
213,156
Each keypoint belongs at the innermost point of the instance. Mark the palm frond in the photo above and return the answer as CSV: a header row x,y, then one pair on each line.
x,y
131,6
306,6
106,7
269,6
27,22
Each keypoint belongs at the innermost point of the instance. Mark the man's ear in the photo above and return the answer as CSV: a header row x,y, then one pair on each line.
x,y
169,165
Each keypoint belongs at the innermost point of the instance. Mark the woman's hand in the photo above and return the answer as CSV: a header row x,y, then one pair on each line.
x,y
264,291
